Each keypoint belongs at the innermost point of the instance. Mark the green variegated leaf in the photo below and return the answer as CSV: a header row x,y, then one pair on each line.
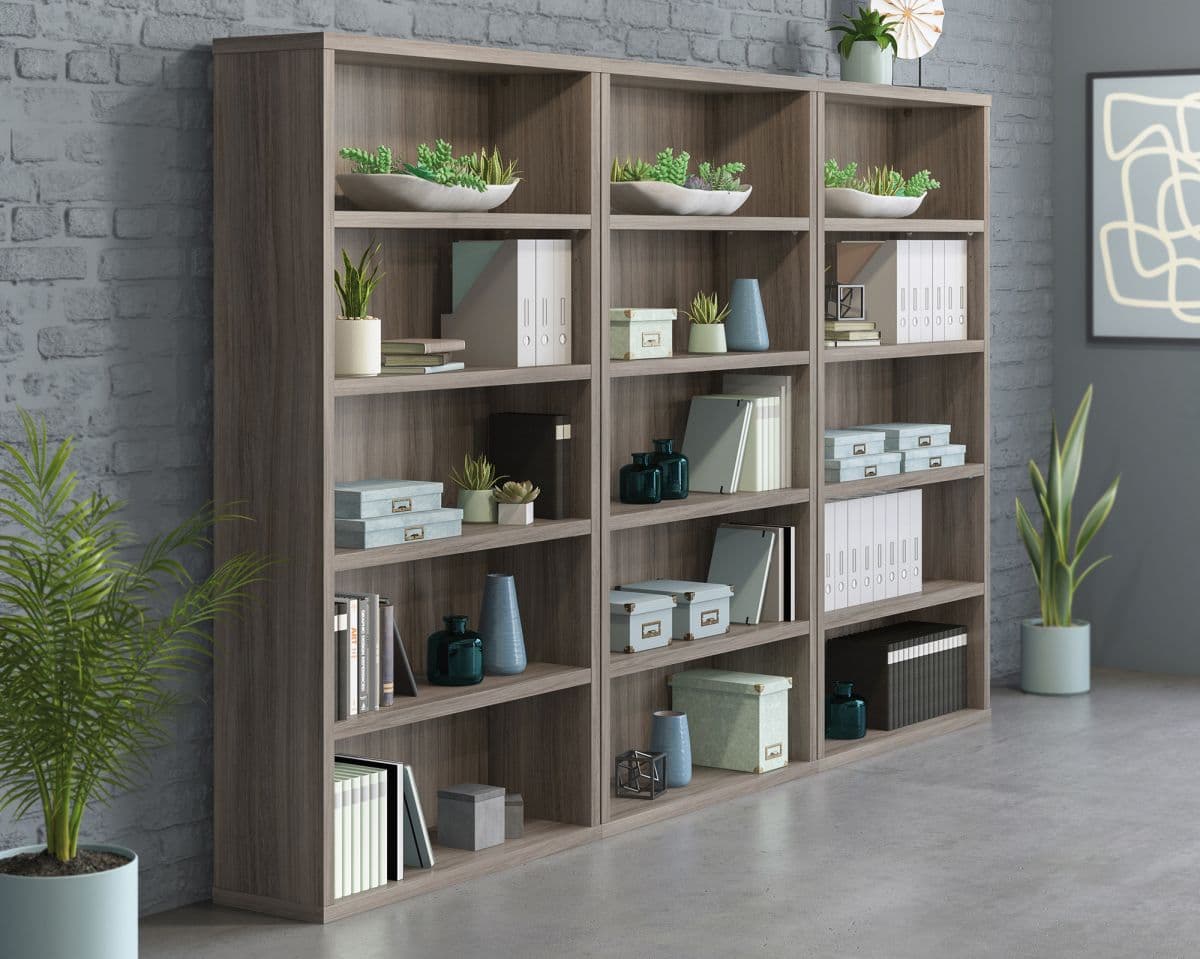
x,y
1031,539
1096,518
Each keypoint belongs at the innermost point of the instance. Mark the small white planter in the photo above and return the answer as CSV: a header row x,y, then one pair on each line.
x,y
356,346
93,916
1056,660
515,514
707,338
403,192
867,63
842,201
478,505
651,198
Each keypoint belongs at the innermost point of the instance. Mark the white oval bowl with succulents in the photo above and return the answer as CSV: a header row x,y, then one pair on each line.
x,y
843,201
880,193
438,182
665,188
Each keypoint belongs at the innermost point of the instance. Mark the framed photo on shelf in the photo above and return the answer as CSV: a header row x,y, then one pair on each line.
x,y
1143,170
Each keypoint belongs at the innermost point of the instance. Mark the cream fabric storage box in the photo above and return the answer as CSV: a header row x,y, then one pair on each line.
x,y
701,609
640,334
933,457
858,442
912,436
639,621
737,720
862,467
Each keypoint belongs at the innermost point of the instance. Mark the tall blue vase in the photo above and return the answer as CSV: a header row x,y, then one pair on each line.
x,y
669,734
500,627
746,325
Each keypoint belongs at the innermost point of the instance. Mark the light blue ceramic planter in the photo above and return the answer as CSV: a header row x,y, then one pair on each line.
x,y
500,627
1056,660
669,734
94,916
746,325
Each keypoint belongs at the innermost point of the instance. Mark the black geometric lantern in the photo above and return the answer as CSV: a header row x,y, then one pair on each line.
x,y
641,774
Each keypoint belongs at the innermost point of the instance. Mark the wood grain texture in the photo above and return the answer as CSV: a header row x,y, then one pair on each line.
x,y
702,224
899,351
915,225
936,592
700,506
681,651
500,219
877,741
683,362
886,484
475,377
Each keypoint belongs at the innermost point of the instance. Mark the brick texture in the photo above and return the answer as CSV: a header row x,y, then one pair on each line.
x,y
105,300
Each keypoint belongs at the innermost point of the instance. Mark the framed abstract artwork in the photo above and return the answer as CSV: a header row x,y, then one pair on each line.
x,y
1143,170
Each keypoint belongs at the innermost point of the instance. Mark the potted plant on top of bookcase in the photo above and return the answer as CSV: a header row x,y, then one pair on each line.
x,y
88,650
1055,647
868,46
438,182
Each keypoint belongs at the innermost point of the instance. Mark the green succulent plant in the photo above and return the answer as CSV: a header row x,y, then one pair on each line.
x,y
381,161
357,282
880,181
512,492
706,310
723,177
491,168
438,164
666,168
870,25
478,473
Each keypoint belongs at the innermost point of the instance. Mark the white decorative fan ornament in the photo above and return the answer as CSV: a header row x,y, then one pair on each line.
x,y
918,24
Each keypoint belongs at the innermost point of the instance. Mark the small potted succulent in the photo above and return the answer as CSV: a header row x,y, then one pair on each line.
x,y
881,192
475,485
357,336
514,503
438,182
707,318
666,187
868,46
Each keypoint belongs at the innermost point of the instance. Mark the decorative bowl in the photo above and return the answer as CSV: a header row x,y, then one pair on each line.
x,y
841,201
414,194
653,198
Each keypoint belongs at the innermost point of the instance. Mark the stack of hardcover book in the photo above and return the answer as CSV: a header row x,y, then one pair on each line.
x,y
840,333
371,662
408,357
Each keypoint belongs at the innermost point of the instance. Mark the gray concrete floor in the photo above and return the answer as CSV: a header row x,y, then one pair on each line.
x,y
1066,827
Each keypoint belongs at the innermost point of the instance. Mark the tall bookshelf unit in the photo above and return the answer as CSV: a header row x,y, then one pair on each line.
x,y
286,429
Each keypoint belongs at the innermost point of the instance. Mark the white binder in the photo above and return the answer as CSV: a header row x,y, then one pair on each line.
x,y
913,511
866,541
925,279
904,296
956,289
839,555
939,290
830,598
853,589
891,553
879,544
553,280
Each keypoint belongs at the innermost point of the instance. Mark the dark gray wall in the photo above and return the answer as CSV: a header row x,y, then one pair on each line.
x,y
1142,603
105,255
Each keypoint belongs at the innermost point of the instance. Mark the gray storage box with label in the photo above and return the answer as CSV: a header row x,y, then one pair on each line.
x,y
933,457
862,467
737,720
400,528
859,442
640,334
701,609
471,816
366,499
639,621
912,436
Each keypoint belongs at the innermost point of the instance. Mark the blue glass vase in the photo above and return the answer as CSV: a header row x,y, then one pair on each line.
x,y
669,734
746,325
500,626
454,655
674,467
640,481
845,714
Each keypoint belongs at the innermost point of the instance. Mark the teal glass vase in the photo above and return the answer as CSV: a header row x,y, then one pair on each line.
x,y
845,714
641,481
674,468
454,655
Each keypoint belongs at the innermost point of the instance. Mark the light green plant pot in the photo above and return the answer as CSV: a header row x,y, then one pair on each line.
x,y
868,64
1056,660
478,505
93,916
706,338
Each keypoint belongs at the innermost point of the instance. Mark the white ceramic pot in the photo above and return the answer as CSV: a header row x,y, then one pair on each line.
x,y
841,201
867,63
1056,660
478,505
706,338
651,198
356,346
93,916
514,514
404,192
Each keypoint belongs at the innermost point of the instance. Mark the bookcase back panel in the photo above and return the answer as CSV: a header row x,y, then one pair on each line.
x,y
667,269
768,131
403,106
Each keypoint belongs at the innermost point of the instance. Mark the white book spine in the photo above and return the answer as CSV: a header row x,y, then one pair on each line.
x,y
916,537
352,672
777,443
750,477
373,780
829,557
892,505
839,545
866,533
356,823
562,306
904,546
853,561
373,653
939,291
527,299
339,802
926,253
879,544
957,254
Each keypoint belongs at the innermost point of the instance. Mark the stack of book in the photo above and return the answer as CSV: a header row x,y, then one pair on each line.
x,y
368,654
415,357
840,333
741,440
759,564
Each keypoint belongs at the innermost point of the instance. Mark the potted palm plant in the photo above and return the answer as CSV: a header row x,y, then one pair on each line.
x,y
1055,647
868,46
87,650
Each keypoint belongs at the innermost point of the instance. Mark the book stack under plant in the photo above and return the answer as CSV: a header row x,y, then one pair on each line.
x,y
415,357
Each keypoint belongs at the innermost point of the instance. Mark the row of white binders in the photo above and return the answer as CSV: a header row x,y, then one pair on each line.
x,y
873,548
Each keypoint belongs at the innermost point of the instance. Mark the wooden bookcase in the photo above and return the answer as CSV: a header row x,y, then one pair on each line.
x,y
286,429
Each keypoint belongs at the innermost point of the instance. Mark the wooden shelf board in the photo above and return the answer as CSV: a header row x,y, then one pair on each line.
x,y
699,505
475,537
900,351
719,224
884,484
433,702
878,741
897,96
384,220
707,363
936,592
837,224
473,378
738,637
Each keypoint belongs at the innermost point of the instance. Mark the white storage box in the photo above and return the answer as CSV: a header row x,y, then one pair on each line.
x,y
912,436
933,457
858,442
639,621
737,720
640,334
397,529
862,467
366,499
701,609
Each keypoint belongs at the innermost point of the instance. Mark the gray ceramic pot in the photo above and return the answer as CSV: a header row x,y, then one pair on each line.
x,y
500,627
1056,660
669,734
